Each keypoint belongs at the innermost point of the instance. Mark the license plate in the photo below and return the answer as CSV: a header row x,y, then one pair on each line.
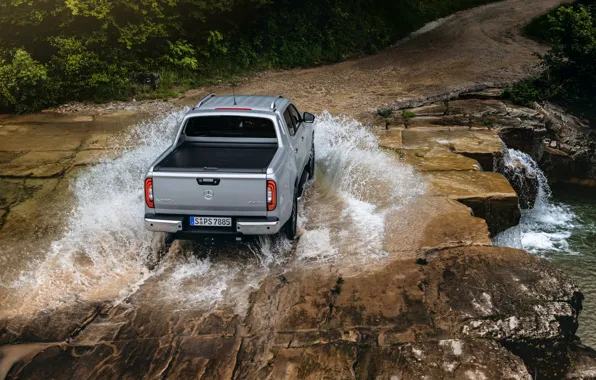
x,y
202,221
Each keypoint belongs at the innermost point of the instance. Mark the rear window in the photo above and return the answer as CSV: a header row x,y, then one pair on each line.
x,y
230,126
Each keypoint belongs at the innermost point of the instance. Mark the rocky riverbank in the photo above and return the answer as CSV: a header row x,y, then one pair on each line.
x,y
444,302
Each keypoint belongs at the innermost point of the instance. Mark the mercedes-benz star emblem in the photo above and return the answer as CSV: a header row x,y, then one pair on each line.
x,y
208,194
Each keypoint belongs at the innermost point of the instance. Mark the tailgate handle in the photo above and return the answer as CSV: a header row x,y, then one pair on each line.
x,y
208,181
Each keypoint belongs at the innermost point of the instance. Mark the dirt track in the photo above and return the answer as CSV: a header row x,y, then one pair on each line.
x,y
483,46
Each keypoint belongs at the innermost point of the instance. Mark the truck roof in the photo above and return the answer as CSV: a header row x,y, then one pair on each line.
x,y
248,102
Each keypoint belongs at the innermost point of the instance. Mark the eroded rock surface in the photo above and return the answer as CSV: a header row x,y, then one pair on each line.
x,y
455,314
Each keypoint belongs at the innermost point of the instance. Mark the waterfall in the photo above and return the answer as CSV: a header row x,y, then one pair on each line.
x,y
545,226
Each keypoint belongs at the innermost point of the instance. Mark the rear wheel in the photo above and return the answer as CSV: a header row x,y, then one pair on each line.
x,y
292,224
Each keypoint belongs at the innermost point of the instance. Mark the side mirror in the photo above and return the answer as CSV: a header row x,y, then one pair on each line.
x,y
308,117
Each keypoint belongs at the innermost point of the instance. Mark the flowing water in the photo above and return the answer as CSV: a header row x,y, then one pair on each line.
x,y
562,228
105,253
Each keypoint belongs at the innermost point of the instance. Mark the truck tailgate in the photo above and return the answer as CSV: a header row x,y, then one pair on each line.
x,y
210,194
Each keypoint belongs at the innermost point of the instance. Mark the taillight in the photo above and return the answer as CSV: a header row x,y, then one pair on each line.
x,y
271,195
149,193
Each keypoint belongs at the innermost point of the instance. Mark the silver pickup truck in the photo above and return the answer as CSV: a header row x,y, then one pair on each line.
x,y
238,167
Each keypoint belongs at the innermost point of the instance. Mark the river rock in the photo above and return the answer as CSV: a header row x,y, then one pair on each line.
x,y
488,194
476,311
574,158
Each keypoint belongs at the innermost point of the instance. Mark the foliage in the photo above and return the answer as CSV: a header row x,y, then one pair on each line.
x,y
88,49
385,112
23,82
570,67
408,114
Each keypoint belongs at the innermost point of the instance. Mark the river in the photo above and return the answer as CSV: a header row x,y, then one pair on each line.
x,y
562,228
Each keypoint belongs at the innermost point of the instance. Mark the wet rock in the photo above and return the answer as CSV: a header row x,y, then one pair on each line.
x,y
489,195
476,108
437,159
434,109
391,139
37,164
525,183
557,165
370,323
574,157
487,94
434,121
91,157
482,146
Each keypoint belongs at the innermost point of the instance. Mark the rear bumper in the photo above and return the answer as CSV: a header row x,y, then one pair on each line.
x,y
176,224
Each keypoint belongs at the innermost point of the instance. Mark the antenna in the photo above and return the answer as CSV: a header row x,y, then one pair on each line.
x,y
234,93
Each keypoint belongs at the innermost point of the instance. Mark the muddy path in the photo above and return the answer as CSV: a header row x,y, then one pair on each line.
x,y
85,287
479,47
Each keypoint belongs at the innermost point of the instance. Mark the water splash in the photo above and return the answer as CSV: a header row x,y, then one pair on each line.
x,y
359,185
106,249
547,226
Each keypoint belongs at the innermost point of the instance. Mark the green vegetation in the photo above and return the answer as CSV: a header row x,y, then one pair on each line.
x,y
58,50
570,67
385,112
408,114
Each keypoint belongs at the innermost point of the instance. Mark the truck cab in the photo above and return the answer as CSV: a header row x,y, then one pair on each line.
x,y
237,167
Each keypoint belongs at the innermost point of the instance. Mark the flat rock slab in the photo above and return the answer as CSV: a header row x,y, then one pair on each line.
x,y
482,146
37,164
91,157
437,159
489,93
391,139
477,108
434,109
490,195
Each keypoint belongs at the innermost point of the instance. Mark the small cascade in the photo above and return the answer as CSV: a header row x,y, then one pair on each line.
x,y
545,225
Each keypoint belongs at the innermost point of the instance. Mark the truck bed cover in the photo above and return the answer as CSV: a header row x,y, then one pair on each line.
x,y
240,157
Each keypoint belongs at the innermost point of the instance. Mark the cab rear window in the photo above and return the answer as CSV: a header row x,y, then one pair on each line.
x,y
230,126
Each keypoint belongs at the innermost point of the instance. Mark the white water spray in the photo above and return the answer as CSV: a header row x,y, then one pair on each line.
x,y
103,255
543,228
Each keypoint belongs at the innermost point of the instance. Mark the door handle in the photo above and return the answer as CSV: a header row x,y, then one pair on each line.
x,y
302,138
296,150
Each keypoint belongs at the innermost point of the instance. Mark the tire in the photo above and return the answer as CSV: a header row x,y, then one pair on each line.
x,y
292,224
311,163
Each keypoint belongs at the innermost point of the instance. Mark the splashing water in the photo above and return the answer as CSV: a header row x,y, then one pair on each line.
x,y
360,184
106,249
547,226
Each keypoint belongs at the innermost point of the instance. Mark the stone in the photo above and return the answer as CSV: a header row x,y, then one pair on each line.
x,y
437,159
37,164
557,165
391,139
476,108
433,109
91,157
482,146
524,183
487,94
489,195
434,121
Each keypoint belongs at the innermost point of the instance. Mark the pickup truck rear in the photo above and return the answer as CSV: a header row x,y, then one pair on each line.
x,y
237,167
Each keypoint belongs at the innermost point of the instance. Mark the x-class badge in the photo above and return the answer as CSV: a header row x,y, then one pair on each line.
x,y
208,194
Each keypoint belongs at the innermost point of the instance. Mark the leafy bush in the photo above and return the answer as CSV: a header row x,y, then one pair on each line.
x,y
570,70
90,48
23,83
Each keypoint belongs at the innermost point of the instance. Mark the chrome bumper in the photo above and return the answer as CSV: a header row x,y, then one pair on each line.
x,y
258,228
245,227
163,225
